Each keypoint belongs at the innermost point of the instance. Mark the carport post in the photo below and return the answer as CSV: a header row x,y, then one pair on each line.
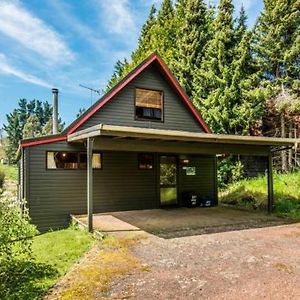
x,y
89,151
270,184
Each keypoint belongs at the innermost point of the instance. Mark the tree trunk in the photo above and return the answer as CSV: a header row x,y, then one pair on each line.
x,y
283,153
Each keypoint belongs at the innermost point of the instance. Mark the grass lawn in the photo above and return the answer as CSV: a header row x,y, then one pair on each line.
x,y
253,193
53,254
11,171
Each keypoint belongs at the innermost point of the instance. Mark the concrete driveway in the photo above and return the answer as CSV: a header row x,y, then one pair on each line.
x,y
178,222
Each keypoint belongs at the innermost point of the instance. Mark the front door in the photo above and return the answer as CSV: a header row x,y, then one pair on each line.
x,y
168,180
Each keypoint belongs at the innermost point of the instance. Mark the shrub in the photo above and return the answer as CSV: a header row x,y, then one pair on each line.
x,y
15,230
229,171
2,177
288,208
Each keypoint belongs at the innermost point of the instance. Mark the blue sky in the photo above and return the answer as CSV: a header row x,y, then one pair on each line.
x,y
60,43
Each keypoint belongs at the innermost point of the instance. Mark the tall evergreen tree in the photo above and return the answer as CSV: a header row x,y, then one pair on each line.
x,y
14,134
158,34
145,46
118,73
241,26
191,40
211,89
277,44
26,114
164,32
32,127
222,89
47,129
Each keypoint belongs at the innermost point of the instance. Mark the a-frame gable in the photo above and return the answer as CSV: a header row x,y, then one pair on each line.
x,y
117,106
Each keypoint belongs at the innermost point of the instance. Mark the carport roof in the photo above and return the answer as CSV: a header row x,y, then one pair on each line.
x,y
175,135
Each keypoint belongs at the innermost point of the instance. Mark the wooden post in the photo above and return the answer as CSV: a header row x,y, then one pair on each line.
x,y
270,184
90,183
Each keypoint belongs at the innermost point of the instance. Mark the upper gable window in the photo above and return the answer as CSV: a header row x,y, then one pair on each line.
x,y
148,104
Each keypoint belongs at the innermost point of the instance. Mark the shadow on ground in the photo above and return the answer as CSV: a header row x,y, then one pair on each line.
x,y
24,279
180,222
184,232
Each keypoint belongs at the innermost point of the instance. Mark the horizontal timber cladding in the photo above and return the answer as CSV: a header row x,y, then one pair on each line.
x,y
204,182
55,194
121,109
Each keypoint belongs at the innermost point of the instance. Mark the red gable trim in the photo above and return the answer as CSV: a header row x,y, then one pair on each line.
x,y
46,141
149,61
183,95
129,79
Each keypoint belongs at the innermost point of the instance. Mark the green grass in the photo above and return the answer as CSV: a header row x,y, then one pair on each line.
x,y
11,171
53,255
253,193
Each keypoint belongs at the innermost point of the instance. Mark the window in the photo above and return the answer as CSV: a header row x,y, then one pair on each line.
x,y
145,161
148,104
72,160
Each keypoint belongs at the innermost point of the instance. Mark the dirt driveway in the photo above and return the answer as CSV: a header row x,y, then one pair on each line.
x,y
167,262
259,263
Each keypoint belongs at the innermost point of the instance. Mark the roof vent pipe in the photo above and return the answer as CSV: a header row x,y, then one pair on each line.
x,y
55,111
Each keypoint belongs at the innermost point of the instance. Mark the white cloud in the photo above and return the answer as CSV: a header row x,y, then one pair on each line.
x,y
119,19
64,13
6,68
19,24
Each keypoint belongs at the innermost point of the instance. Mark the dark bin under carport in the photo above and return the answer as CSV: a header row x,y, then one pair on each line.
x,y
190,199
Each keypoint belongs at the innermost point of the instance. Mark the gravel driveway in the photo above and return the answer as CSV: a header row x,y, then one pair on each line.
x,y
259,263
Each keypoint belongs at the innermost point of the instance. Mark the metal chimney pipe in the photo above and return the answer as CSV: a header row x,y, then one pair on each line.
x,y
55,111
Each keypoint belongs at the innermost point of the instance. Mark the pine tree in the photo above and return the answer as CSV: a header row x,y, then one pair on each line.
x,y
158,34
32,127
223,89
211,89
277,51
241,27
22,112
14,134
164,32
145,46
23,116
191,40
119,70
47,129
277,44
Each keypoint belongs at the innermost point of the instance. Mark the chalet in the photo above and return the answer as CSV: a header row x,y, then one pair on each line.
x,y
142,145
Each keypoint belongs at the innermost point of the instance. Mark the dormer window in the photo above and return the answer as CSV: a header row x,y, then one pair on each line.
x,y
148,104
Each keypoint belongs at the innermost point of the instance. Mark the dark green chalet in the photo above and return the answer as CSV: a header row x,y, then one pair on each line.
x,y
142,145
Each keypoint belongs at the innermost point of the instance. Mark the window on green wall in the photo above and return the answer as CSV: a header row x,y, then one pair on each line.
x,y
148,104
71,160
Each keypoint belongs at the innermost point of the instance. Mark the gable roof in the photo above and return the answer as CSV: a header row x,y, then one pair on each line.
x,y
152,59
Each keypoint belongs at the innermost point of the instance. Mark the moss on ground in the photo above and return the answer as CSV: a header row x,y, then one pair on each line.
x,y
92,279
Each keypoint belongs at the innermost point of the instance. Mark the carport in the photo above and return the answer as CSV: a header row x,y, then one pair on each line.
x,y
122,138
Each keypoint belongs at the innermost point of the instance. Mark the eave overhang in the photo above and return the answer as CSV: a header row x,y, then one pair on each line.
x,y
223,143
